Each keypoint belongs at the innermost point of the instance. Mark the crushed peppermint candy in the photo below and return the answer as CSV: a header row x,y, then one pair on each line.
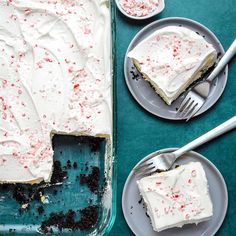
x,y
139,7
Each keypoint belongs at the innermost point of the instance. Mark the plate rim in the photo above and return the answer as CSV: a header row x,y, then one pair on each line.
x,y
160,21
224,190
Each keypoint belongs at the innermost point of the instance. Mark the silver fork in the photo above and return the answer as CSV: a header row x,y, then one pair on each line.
x,y
162,162
198,94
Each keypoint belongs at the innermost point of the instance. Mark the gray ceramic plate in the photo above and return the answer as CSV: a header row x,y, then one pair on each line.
x,y
139,223
146,96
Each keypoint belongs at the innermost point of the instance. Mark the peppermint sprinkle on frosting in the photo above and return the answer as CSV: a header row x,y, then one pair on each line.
x,y
139,7
55,78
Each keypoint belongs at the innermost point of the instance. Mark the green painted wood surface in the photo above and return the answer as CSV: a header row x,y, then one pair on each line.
x,y
140,133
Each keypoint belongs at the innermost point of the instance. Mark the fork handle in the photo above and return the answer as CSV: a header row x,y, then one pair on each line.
x,y
219,130
223,62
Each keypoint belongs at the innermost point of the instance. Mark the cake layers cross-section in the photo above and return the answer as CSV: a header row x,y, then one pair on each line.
x,y
172,58
55,78
177,197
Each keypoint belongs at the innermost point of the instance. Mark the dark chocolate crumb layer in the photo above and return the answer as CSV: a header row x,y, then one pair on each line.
x,y
95,143
24,194
92,180
89,217
58,174
19,195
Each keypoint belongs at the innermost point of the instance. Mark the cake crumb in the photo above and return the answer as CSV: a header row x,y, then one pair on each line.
x,y
75,165
92,180
40,210
58,174
68,164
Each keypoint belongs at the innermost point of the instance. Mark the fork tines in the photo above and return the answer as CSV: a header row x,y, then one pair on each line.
x,y
144,169
189,106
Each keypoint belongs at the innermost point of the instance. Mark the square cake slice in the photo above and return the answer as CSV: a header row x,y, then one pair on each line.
x,y
172,58
177,197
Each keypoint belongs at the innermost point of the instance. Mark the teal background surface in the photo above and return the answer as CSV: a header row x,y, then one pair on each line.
x,y
140,133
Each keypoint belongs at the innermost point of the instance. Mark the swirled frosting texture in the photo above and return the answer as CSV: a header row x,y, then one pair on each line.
x,y
55,77
172,58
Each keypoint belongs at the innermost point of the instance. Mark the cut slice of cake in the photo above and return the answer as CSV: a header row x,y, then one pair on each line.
x,y
177,197
172,58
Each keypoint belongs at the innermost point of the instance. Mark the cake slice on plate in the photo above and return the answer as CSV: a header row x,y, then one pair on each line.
x,y
172,58
177,197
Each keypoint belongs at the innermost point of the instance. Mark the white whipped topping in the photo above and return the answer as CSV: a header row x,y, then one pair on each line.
x,y
172,58
55,77
177,197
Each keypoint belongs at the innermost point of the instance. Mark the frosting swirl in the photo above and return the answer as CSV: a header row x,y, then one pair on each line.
x,y
55,77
